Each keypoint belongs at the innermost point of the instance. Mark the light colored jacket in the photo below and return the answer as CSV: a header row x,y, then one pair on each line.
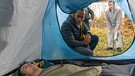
x,y
113,18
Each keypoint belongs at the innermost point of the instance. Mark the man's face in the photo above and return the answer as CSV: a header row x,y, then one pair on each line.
x,y
28,69
78,16
111,5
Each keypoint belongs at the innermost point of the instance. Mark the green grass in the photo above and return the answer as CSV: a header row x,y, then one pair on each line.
x,y
127,38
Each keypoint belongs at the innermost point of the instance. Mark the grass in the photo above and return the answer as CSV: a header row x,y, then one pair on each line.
x,y
127,38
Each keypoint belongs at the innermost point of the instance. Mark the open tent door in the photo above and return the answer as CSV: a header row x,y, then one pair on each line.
x,y
54,47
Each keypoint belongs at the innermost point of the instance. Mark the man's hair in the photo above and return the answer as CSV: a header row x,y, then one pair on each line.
x,y
72,14
111,1
78,10
19,72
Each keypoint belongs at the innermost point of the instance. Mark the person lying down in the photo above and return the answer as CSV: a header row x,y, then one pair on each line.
x,y
29,69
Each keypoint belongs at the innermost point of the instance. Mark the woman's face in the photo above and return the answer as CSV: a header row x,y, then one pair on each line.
x,y
28,69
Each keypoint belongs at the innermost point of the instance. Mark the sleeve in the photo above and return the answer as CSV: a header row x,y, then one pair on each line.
x,y
86,30
107,20
68,36
91,12
86,15
118,19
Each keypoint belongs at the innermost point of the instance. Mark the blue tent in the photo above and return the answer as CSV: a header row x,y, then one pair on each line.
x,y
33,32
53,38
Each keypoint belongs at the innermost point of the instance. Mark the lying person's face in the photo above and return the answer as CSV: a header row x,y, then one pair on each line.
x,y
28,69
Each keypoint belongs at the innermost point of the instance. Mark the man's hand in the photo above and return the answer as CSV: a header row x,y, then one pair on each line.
x,y
88,46
87,39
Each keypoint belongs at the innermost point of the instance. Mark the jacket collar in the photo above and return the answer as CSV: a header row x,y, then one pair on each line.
x,y
70,18
113,9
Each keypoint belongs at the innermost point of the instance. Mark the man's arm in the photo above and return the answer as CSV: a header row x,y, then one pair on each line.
x,y
86,29
87,33
91,12
68,36
107,19
118,19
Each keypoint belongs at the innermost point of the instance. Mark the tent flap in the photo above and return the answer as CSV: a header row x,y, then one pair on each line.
x,y
69,6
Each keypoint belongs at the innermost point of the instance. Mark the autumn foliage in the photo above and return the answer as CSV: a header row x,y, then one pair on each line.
x,y
98,27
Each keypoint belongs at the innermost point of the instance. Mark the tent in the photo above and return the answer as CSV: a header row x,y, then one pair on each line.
x,y
33,31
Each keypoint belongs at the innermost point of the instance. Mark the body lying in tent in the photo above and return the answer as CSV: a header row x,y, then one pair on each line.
x,y
70,69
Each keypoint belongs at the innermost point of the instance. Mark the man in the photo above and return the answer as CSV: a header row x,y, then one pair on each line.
x,y
29,69
73,30
113,22
89,14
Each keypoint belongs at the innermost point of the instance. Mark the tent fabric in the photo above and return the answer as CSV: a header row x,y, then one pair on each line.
x,y
28,38
131,5
54,47
6,12
124,5
24,36
66,5
117,70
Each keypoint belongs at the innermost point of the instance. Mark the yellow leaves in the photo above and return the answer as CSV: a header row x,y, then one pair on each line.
x,y
127,37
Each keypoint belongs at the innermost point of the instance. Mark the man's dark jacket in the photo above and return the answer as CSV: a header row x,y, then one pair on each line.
x,y
71,33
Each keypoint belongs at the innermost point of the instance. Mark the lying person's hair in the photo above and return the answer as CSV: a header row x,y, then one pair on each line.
x,y
19,72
